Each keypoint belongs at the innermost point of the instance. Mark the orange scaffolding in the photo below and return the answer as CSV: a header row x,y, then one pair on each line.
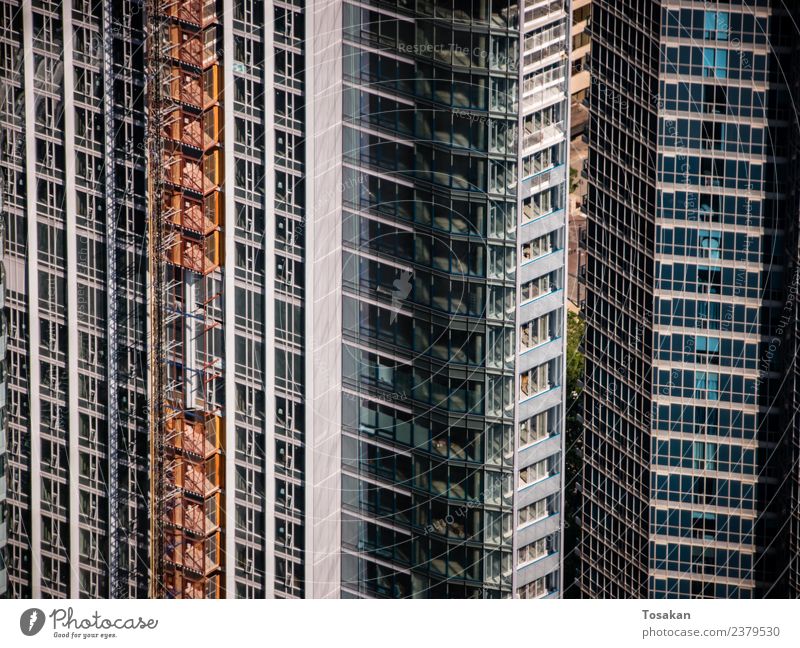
x,y
185,179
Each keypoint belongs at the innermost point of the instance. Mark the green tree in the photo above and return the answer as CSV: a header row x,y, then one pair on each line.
x,y
574,445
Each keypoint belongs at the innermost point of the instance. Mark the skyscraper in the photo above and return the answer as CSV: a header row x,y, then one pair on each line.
x,y
74,210
3,399
686,288
285,289
791,340
453,232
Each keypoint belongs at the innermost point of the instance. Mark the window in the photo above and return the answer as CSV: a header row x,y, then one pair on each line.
x,y
715,63
538,471
704,455
706,385
538,549
581,13
710,243
538,287
581,39
536,332
538,247
540,204
708,346
538,588
537,380
535,428
716,25
538,510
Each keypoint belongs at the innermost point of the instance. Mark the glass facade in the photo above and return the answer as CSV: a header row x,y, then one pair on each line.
x,y
437,132
157,298
686,286
791,340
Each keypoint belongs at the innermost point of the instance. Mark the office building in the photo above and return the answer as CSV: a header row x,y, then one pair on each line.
x,y
686,282
791,343
3,397
74,210
453,233
580,80
285,290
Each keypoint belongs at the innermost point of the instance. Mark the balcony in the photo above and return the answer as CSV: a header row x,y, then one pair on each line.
x,y
186,88
201,557
202,479
184,127
200,176
196,12
201,256
206,588
197,522
201,216
186,47
195,435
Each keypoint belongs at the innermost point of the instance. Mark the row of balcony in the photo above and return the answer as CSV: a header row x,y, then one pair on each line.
x,y
192,204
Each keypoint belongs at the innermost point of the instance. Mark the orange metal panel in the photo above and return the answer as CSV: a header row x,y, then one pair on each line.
x,y
209,46
211,78
212,125
213,205
212,169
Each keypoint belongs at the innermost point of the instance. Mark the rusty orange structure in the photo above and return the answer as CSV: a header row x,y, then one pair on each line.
x,y
185,159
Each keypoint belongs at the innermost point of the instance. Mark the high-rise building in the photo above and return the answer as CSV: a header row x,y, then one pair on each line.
x,y
686,288
285,288
73,195
791,339
453,233
580,80
3,398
